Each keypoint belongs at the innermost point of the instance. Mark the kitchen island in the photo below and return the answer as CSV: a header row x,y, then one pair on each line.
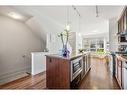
x,y
66,72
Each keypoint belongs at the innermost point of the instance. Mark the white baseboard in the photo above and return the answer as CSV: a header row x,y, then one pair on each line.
x,y
11,76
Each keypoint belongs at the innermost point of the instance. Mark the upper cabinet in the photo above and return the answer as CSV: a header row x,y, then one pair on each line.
x,y
122,27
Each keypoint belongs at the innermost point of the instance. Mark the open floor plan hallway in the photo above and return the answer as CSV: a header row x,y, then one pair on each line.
x,y
99,76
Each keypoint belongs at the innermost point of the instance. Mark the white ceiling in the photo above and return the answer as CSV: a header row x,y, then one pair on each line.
x,y
105,12
58,14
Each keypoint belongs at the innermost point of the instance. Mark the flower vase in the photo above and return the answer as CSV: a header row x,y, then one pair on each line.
x,y
65,51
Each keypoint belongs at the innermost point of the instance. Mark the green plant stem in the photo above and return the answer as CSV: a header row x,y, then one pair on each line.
x,y
62,40
67,37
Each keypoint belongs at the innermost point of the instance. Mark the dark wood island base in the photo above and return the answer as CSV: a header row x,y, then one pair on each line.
x,y
66,72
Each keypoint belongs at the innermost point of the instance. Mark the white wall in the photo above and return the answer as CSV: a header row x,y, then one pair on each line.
x,y
72,41
96,29
54,43
79,42
45,27
113,38
37,30
100,29
49,25
16,40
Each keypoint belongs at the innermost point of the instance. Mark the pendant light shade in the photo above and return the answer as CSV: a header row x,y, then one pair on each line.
x,y
67,27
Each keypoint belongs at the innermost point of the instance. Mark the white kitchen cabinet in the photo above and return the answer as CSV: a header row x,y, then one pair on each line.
x,y
116,68
125,75
119,71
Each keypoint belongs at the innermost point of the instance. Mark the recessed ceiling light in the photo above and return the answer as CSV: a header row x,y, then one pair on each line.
x,y
15,15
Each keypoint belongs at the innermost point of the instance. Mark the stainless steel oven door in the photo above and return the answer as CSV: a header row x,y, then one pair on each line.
x,y
76,67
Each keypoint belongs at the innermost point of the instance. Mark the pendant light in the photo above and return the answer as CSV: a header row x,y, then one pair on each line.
x,y
79,25
67,26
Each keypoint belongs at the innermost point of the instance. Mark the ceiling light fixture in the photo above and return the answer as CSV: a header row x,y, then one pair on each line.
x,y
79,34
76,10
97,12
67,27
14,15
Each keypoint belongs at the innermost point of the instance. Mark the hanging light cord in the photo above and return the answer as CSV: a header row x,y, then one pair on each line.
x,y
75,9
67,15
97,11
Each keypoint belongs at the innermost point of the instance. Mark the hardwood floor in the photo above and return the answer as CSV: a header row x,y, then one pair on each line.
x,y
98,78
30,82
